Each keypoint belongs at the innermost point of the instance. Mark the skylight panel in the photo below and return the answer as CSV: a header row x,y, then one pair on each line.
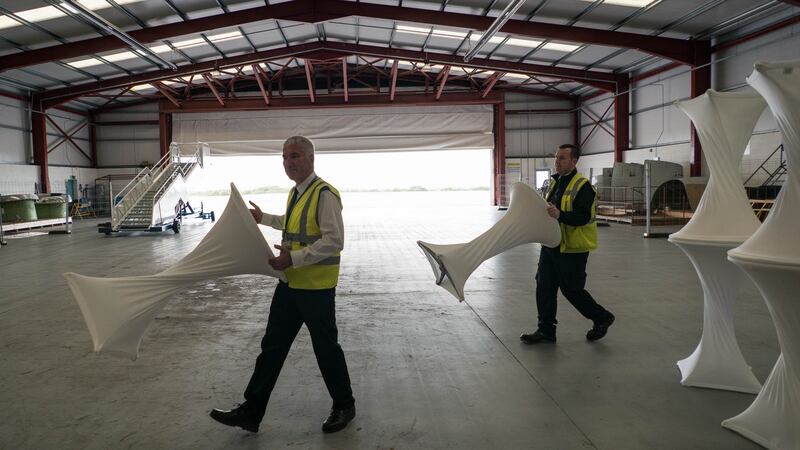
x,y
426,31
119,56
51,12
222,37
85,63
146,86
560,47
516,75
188,43
141,87
474,37
632,3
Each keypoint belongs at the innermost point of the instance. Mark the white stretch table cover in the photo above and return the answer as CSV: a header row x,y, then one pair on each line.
x,y
771,258
723,219
717,362
118,311
525,221
724,122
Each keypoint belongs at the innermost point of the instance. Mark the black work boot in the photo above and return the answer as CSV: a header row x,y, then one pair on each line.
x,y
600,328
537,337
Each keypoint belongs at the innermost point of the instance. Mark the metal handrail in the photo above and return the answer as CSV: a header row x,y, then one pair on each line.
x,y
144,172
761,167
174,174
135,190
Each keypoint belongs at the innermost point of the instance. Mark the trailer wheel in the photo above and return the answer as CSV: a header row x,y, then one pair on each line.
x,y
176,227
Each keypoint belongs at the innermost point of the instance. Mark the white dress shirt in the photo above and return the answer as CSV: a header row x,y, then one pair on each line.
x,y
330,225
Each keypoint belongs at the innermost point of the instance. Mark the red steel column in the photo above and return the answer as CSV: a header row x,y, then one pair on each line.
x,y
92,138
164,131
39,138
576,122
701,82
621,117
499,155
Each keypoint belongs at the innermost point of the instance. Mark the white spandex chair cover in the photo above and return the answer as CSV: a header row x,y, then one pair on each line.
x,y
723,220
525,221
771,258
118,311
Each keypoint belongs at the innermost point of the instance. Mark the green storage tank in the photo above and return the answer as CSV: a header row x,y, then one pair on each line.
x,y
51,207
18,207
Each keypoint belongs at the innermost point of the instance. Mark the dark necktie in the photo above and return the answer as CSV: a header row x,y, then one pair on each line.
x,y
292,202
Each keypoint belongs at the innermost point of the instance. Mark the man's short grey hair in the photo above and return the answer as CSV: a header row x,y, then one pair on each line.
x,y
302,142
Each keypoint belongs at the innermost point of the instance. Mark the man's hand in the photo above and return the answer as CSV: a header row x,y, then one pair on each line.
x,y
256,213
553,211
283,260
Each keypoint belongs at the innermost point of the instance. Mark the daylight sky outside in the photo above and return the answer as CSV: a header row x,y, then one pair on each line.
x,y
356,171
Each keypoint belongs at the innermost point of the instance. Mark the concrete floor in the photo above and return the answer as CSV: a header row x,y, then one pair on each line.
x,y
427,372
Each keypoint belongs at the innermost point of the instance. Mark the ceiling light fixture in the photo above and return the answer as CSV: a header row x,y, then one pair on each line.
x,y
494,27
137,46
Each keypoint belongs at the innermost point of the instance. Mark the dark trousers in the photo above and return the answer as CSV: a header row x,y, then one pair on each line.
x,y
566,271
290,309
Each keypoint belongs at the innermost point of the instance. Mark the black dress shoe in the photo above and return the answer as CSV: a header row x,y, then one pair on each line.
x,y
338,419
537,337
600,329
236,417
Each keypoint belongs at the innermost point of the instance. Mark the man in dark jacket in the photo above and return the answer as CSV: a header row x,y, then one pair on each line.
x,y
571,200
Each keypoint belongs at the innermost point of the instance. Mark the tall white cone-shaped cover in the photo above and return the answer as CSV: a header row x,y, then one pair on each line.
x,y
771,258
525,221
118,311
724,124
777,241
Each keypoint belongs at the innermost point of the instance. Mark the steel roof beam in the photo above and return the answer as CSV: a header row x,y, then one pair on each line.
x,y
165,92
257,73
345,79
442,80
320,10
401,99
157,33
326,50
210,83
670,48
600,80
184,17
63,95
309,79
490,82
393,82
98,21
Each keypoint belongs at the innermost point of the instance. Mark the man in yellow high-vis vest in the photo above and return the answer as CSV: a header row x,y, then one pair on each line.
x,y
571,200
313,238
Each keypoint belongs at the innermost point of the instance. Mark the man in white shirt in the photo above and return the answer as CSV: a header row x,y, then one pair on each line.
x,y
313,237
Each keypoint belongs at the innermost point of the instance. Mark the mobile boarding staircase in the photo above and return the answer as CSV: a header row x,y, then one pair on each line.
x,y
154,199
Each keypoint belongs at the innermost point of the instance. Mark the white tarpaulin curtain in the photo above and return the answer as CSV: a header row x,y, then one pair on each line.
x,y
338,130
118,311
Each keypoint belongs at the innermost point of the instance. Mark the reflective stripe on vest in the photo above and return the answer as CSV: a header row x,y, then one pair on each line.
x,y
580,239
300,229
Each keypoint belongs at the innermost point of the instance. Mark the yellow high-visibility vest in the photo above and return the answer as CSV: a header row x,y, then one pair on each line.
x,y
576,239
300,229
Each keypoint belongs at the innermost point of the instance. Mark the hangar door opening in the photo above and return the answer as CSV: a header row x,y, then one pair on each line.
x,y
339,130
431,149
